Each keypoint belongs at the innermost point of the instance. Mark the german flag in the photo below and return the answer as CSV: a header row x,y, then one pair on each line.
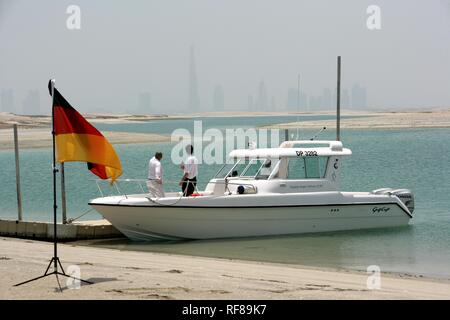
x,y
77,140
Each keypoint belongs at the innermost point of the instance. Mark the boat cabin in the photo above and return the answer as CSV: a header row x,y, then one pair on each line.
x,y
295,166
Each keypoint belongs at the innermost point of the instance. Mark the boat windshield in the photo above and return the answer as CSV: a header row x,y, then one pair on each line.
x,y
232,169
266,169
259,168
240,166
248,168
223,172
253,168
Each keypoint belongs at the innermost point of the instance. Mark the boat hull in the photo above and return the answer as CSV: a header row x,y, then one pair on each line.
x,y
190,222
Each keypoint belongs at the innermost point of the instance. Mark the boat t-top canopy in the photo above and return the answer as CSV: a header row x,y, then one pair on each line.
x,y
289,149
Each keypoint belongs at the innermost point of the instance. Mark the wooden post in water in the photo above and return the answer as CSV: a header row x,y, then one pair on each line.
x,y
63,195
16,152
338,100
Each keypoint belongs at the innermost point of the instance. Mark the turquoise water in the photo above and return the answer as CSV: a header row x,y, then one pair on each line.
x,y
36,172
409,158
167,126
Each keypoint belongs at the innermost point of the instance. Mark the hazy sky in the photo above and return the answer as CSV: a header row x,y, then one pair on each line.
x,y
127,47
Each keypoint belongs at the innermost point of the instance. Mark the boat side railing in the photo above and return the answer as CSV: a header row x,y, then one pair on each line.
x,y
119,188
141,183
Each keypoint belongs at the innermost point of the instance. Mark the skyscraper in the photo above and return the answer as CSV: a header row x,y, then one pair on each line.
x,y
273,104
218,98
359,97
32,102
327,99
316,103
291,103
144,103
345,99
303,101
7,100
262,103
194,101
250,103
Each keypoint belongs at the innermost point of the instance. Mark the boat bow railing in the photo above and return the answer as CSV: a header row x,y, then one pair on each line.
x,y
171,188
140,185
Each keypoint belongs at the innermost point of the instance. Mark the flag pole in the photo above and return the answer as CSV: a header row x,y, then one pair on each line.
x,y
55,170
55,259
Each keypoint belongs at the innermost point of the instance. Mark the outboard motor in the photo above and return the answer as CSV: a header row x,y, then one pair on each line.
x,y
405,196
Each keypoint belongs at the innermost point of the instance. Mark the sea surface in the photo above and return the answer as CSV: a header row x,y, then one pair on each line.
x,y
417,159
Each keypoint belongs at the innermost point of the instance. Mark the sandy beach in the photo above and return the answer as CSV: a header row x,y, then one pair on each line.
x,y
35,121
142,275
42,138
379,120
27,121
34,131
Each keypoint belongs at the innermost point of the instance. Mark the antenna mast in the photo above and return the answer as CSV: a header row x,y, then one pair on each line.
x,y
338,100
298,104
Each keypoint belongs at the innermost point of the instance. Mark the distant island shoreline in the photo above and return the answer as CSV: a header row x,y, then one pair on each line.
x,y
34,131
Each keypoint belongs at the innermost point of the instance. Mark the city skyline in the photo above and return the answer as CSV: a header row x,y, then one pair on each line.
x,y
351,98
354,98
405,64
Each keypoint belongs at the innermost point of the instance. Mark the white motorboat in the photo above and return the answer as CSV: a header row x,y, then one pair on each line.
x,y
291,189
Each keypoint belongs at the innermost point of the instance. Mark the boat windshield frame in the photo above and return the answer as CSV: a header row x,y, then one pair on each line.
x,y
273,167
239,161
248,166
234,165
228,172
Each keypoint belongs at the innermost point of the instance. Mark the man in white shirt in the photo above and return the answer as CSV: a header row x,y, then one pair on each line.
x,y
188,182
155,173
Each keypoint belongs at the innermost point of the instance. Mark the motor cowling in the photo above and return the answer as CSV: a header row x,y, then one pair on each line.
x,y
405,196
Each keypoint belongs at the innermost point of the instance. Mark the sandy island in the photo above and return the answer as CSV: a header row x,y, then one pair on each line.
x,y
143,275
379,120
34,131
42,138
